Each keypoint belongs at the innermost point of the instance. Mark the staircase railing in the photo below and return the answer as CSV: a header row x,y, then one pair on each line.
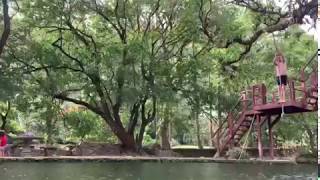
x,y
304,74
308,79
233,109
228,124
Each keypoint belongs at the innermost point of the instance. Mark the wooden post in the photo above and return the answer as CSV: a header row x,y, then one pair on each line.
x,y
244,101
292,92
254,101
273,97
259,137
270,138
263,90
303,87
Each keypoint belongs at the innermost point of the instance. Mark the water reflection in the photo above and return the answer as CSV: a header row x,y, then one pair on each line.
x,y
154,171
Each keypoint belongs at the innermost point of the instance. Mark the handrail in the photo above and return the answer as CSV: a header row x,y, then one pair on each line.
x,y
235,106
235,117
304,68
224,122
310,60
305,79
232,134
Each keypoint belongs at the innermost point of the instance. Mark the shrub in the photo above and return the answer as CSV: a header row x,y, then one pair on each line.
x,y
147,140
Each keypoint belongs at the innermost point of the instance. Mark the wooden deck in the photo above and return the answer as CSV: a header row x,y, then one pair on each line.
x,y
253,112
276,108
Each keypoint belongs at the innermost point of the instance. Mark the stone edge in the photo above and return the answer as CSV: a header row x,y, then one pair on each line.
x,y
145,159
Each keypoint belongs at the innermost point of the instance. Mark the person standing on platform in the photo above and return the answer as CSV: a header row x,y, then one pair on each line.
x,y
281,73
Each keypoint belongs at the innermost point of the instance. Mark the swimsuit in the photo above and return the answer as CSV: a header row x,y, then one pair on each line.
x,y
282,80
3,141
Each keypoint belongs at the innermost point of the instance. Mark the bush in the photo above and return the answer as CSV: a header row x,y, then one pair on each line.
x,y
147,140
236,152
87,126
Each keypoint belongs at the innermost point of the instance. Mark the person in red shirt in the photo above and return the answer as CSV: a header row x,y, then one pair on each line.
x,y
281,72
3,143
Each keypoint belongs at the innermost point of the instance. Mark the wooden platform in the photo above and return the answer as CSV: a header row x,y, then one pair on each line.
x,y
253,112
276,108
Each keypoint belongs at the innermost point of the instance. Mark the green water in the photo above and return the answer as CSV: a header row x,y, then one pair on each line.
x,y
153,171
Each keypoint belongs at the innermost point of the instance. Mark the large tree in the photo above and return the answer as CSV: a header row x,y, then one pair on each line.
x,y
121,56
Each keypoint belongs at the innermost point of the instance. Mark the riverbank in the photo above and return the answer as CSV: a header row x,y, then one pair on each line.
x,y
149,159
114,153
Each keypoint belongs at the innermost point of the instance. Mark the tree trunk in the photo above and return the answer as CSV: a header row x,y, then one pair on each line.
x,y
211,133
49,130
165,130
218,134
4,123
127,140
140,135
311,135
164,135
5,116
198,131
6,25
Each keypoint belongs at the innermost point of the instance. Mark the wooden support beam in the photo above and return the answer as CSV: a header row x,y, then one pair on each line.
x,y
292,91
259,137
273,122
271,148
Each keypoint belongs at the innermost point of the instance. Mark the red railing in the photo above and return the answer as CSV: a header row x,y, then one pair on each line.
x,y
257,95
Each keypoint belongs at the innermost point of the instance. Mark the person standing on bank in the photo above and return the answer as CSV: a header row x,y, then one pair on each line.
x,y
281,72
3,143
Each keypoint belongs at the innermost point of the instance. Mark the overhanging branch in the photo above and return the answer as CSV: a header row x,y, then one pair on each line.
x,y
284,22
64,97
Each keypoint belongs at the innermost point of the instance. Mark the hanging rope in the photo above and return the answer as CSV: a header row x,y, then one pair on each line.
x,y
282,104
277,50
245,141
275,43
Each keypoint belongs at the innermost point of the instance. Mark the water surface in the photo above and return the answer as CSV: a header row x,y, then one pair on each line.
x,y
153,171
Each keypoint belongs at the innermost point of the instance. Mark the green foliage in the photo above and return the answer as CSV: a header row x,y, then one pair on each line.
x,y
70,48
14,127
148,141
86,125
295,129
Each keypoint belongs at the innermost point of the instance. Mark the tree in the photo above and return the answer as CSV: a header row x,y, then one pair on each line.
x,y
135,47
106,55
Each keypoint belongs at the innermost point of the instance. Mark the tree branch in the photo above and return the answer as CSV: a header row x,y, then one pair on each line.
x,y
5,116
134,115
64,97
106,18
283,23
156,8
55,44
